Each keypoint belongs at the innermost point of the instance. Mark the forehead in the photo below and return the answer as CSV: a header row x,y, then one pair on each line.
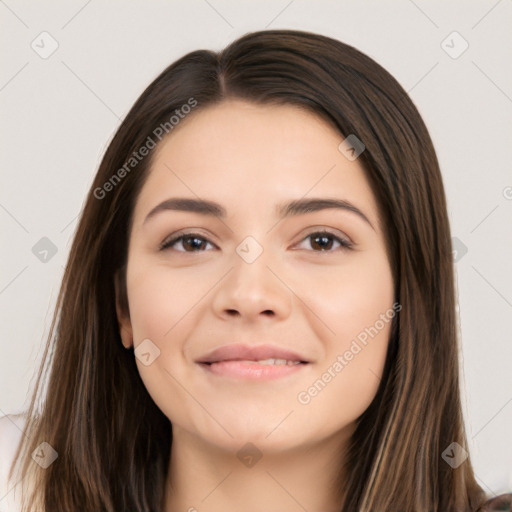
x,y
240,153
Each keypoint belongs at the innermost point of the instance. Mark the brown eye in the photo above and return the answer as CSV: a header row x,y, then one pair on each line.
x,y
190,242
323,241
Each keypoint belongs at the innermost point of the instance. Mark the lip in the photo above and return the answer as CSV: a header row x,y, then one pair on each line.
x,y
239,352
238,361
250,370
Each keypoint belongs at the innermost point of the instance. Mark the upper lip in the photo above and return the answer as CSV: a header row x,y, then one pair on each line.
x,y
239,352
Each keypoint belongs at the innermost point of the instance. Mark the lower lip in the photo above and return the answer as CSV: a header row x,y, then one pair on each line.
x,y
255,371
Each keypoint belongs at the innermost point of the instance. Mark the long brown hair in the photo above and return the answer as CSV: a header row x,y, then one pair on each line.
x,y
113,442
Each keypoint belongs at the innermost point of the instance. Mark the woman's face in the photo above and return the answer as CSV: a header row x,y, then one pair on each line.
x,y
253,278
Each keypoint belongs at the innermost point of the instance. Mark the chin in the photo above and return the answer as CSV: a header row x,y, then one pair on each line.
x,y
265,433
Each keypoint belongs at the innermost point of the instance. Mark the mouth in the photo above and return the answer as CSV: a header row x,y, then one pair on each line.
x,y
259,370
260,362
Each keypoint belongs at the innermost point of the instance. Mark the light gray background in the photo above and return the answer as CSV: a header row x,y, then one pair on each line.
x,y
59,113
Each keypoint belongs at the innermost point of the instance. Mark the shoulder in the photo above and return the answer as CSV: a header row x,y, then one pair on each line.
x,y
11,433
501,503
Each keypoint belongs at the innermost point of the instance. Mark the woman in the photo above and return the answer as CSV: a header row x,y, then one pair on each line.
x,y
258,312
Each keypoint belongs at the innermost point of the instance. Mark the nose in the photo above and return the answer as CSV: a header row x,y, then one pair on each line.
x,y
253,290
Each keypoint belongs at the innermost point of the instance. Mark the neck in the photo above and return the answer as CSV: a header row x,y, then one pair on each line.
x,y
203,477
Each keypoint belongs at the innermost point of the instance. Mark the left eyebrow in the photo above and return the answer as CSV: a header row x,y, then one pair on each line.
x,y
302,206
291,208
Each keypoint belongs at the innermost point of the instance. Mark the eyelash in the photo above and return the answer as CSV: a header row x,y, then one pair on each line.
x,y
344,244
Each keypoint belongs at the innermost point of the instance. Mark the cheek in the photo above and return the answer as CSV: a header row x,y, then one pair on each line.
x,y
149,308
347,379
357,304
164,308
160,302
348,298
156,315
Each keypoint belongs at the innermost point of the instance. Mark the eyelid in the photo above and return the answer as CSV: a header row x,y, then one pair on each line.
x,y
344,241
175,237
331,231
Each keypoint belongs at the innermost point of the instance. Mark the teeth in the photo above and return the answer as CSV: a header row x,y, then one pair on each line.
x,y
275,362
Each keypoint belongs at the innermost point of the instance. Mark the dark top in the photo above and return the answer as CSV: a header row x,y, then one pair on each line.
x,y
501,503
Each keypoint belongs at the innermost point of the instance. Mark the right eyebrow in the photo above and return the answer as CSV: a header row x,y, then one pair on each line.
x,y
185,204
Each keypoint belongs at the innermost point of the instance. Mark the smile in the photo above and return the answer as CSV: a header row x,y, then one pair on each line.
x,y
258,370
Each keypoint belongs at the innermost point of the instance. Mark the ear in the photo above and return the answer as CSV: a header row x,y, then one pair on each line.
x,y
122,310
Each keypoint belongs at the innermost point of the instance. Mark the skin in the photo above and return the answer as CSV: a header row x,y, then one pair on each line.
x,y
299,294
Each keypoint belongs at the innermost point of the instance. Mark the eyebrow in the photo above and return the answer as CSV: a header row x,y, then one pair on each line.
x,y
291,208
